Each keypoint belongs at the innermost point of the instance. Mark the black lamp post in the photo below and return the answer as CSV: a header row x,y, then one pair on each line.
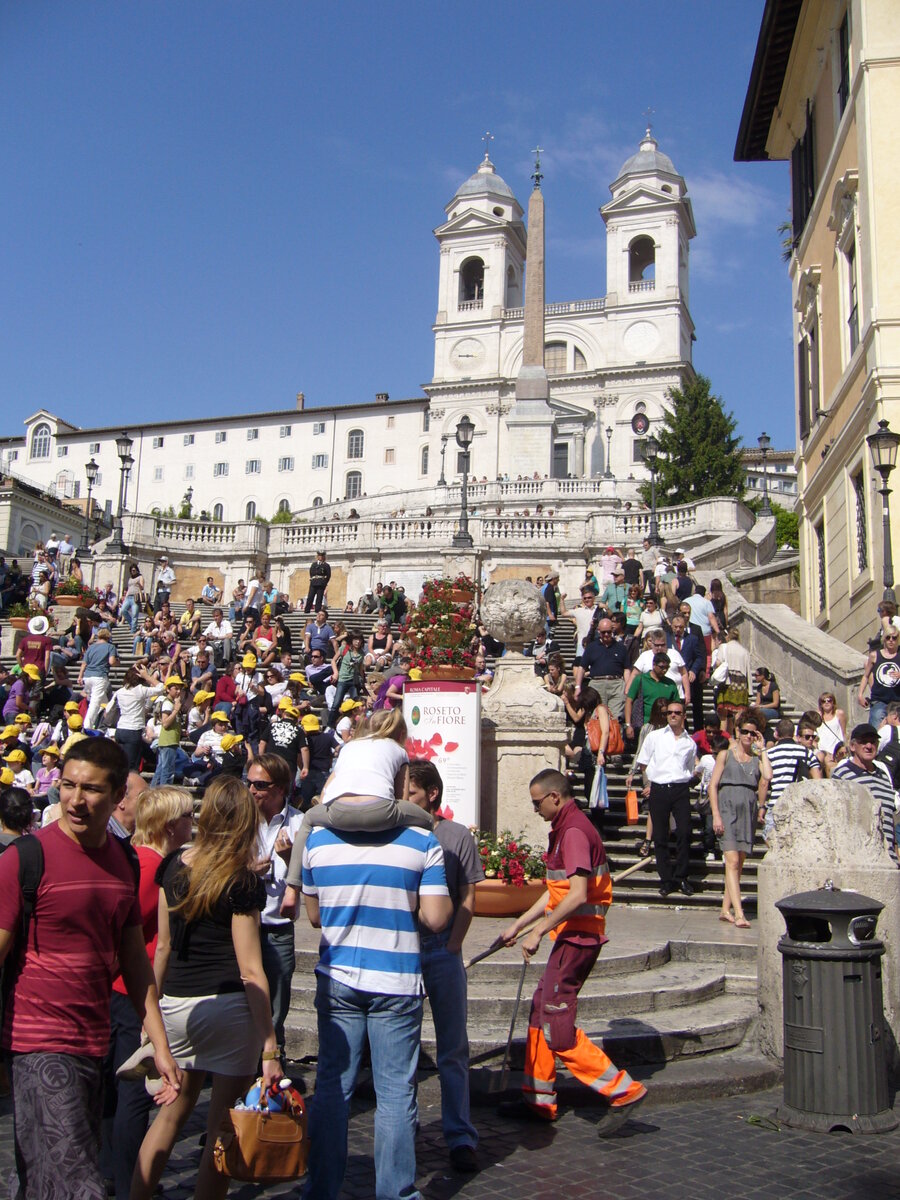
x,y
442,482
90,470
607,474
883,444
651,457
764,443
465,431
123,449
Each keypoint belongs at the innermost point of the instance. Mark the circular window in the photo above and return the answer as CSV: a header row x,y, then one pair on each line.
x,y
498,212
640,406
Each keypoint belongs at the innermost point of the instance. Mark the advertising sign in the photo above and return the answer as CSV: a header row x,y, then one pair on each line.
x,y
443,722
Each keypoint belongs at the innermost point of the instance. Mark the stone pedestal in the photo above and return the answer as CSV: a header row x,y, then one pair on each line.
x,y
523,731
825,829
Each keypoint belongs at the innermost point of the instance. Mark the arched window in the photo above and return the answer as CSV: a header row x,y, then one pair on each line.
x,y
317,502
471,282
250,511
580,361
356,443
40,441
423,468
555,357
353,488
218,512
642,260
284,506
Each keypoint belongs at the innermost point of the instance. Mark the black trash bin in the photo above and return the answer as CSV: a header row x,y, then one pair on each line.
x,y
835,1070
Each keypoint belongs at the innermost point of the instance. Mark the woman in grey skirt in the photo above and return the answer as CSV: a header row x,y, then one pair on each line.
x,y
737,792
208,964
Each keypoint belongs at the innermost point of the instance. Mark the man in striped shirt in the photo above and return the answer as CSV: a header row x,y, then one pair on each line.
x,y
862,767
368,892
791,761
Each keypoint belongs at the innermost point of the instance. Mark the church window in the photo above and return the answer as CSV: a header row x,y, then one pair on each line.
x,y
317,502
250,510
356,443
555,357
642,261
580,363
463,461
640,406
637,450
353,488
426,420
423,464
40,441
284,506
218,512
471,283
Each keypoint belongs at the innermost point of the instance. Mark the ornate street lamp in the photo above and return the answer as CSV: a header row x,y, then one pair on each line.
x,y
883,445
90,470
607,474
764,443
465,432
123,449
651,458
442,482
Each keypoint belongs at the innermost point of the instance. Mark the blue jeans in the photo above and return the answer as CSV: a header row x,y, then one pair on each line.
x,y
877,712
344,688
278,960
166,762
445,982
131,612
393,1025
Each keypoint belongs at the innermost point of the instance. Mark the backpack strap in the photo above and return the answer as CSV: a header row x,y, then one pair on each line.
x,y
31,870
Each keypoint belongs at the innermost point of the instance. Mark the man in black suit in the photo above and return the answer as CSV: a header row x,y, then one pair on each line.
x,y
319,578
693,650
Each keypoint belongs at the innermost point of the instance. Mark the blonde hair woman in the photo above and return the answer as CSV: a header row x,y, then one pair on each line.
x,y
216,1004
367,791
163,822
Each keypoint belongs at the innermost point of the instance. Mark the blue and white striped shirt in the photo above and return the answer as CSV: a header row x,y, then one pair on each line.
x,y
368,886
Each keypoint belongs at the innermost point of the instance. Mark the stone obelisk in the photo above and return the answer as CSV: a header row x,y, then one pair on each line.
x,y
530,423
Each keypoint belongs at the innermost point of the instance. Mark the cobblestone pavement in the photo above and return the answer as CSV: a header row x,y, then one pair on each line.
x,y
686,1152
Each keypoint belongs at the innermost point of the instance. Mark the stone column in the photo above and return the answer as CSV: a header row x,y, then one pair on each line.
x,y
825,830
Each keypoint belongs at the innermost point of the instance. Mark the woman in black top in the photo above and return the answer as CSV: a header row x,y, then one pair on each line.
x,y
217,1009
283,638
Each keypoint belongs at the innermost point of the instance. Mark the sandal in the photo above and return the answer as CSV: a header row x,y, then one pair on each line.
x,y
643,849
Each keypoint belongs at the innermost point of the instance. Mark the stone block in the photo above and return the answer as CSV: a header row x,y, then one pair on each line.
x,y
825,830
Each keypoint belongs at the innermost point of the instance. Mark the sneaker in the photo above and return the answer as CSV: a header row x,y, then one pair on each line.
x,y
710,857
464,1160
521,1110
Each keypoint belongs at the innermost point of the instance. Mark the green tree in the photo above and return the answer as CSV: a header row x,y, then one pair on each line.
x,y
699,455
787,523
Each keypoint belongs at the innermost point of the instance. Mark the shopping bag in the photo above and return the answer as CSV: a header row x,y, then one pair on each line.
x,y
599,797
631,807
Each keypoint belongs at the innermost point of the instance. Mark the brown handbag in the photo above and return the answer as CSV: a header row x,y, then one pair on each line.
x,y
261,1146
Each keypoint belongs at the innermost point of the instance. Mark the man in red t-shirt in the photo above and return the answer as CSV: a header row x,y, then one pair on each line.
x,y
35,646
56,1019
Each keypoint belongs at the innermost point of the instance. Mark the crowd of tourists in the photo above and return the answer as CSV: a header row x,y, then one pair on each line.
x,y
179,955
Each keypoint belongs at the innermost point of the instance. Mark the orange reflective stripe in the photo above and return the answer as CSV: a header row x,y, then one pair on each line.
x,y
589,917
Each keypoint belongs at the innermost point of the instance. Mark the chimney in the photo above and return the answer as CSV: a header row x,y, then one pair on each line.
x,y
301,400
381,397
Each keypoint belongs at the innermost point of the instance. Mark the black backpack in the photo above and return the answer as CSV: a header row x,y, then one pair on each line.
x,y
890,756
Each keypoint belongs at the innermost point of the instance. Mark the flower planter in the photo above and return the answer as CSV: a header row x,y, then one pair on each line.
x,y
494,898
447,672
67,601
459,596
19,622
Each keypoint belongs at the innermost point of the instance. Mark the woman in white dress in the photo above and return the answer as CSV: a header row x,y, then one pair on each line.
x,y
833,730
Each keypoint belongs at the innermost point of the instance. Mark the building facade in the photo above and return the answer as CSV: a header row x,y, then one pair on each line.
x,y
610,362
824,93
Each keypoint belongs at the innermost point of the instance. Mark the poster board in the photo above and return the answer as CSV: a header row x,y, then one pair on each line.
x,y
443,721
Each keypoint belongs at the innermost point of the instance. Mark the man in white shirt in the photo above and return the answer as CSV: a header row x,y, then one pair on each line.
x,y
220,632
269,781
677,671
668,759
164,581
209,593
583,616
254,598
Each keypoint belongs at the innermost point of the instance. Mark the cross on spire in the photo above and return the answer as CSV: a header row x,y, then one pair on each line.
x,y
648,114
487,138
537,174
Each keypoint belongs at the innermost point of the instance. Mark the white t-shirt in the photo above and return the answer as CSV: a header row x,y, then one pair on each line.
x,y
366,767
644,664
133,703
254,594
582,617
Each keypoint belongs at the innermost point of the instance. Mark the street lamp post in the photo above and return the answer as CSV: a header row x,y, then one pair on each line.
x,y
607,474
123,449
442,482
883,445
651,456
764,443
465,432
90,470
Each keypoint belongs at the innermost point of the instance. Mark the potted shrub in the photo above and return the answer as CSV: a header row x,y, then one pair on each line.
x,y
515,874
72,594
442,630
19,615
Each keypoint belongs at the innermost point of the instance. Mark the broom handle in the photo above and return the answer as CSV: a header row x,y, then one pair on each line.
x,y
498,945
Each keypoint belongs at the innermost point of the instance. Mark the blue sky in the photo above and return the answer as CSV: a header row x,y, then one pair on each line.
x,y
208,207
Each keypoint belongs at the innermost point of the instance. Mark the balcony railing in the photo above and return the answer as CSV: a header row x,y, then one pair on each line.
x,y
470,305
560,308
643,285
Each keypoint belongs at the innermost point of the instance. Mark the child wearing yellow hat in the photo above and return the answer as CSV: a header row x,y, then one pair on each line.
x,y
49,774
76,734
17,761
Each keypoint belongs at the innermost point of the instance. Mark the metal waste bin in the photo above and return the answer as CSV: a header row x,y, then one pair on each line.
x,y
835,1071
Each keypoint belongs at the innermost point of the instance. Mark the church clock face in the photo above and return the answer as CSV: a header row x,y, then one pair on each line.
x,y
466,354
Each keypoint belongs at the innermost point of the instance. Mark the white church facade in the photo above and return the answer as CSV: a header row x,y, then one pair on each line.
x,y
608,360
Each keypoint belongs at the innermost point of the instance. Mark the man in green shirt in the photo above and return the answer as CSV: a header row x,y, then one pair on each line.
x,y
652,685
170,732
349,675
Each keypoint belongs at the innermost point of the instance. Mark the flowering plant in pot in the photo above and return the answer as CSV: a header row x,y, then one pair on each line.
x,y
71,587
509,858
442,631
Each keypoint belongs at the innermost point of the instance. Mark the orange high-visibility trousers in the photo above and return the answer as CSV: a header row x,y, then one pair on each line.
x,y
553,1034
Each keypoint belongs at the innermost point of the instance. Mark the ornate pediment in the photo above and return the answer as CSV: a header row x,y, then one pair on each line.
x,y
472,220
808,292
843,203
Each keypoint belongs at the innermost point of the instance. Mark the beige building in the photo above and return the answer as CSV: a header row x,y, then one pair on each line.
x,y
824,94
